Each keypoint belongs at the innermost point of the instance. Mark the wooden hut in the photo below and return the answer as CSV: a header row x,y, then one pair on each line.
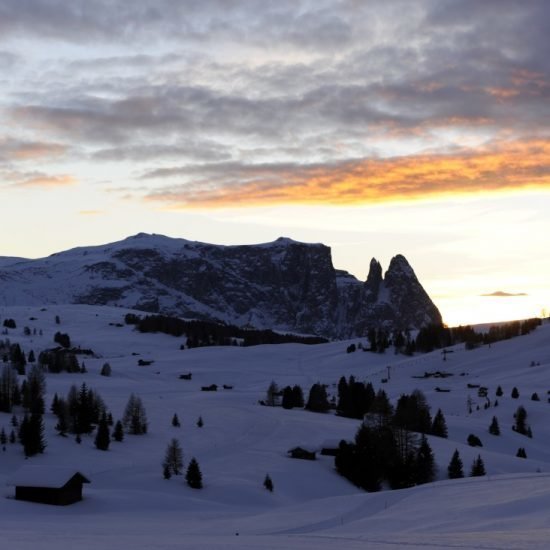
x,y
301,453
49,484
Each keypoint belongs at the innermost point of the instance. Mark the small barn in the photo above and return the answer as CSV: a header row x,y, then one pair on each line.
x,y
301,453
49,484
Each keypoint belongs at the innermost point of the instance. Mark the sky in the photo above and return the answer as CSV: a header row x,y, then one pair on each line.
x,y
379,128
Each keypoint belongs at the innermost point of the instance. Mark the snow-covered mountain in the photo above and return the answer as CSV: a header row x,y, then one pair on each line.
x,y
284,285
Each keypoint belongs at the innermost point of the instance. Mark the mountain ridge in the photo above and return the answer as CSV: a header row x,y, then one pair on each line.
x,y
282,285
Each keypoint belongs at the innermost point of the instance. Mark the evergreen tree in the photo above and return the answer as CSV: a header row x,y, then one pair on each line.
x,y
494,428
106,370
521,453
200,423
425,462
520,416
439,425
381,410
194,475
176,421
9,388
3,437
535,397
288,398
62,414
298,396
103,435
478,467
499,392
13,437
318,399
343,405
35,388
173,458
515,393
31,358
118,432
31,434
268,483
166,472
454,470
134,418
474,441
272,394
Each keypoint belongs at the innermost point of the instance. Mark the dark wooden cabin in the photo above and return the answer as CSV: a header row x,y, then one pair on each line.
x,y
300,453
49,485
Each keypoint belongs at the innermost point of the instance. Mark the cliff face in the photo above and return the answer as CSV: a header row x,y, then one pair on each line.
x,y
284,285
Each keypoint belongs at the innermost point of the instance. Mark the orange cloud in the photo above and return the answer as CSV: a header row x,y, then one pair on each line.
x,y
43,180
29,151
506,167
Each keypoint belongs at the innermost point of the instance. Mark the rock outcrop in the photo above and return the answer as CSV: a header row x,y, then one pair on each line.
x,y
283,285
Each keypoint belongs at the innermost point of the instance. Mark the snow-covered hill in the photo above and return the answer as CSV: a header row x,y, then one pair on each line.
x,y
283,285
130,505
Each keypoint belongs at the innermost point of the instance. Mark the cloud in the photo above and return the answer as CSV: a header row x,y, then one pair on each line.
x,y
46,180
502,294
17,150
504,167
309,101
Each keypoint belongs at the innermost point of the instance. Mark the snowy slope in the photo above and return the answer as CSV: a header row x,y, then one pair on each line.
x,y
129,504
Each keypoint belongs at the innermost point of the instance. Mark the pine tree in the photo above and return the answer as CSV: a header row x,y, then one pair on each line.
x,y
118,432
193,475
200,422
474,441
272,394
515,393
166,472
454,470
298,396
521,420
62,425
499,392
521,453
3,437
173,458
135,419
318,399
494,428
478,467
106,370
32,435
33,398
103,436
176,421
425,462
13,437
288,398
439,425
268,483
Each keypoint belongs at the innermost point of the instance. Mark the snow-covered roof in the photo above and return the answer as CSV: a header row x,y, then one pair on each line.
x,y
45,476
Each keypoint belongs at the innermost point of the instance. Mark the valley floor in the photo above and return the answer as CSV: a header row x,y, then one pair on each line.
x,y
130,505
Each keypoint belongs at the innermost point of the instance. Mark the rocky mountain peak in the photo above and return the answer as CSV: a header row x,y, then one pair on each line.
x,y
284,285
374,278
